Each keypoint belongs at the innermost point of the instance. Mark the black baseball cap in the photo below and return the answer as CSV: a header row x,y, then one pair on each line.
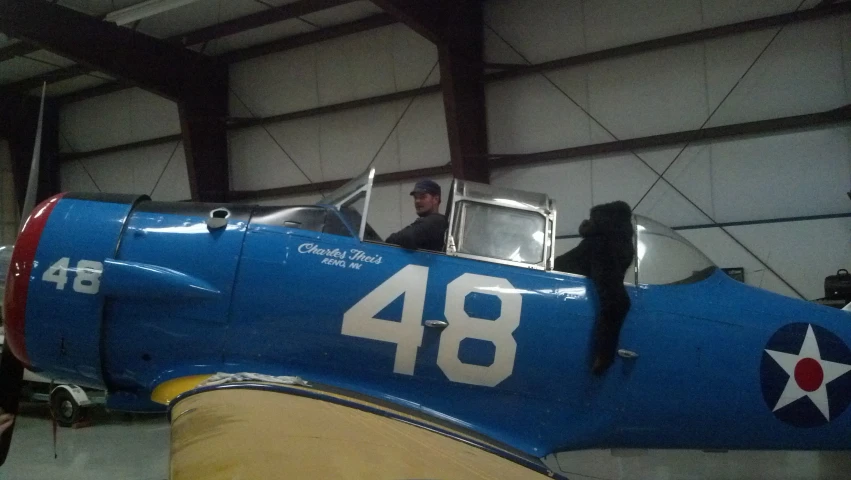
x,y
426,186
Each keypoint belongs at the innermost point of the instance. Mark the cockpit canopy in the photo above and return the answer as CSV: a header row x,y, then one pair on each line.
x,y
664,257
352,200
516,227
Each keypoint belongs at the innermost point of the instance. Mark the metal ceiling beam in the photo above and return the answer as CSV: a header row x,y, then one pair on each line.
x,y
801,16
815,13
727,30
840,115
295,41
153,64
96,91
461,55
337,107
286,43
69,156
203,124
18,123
16,50
27,84
253,122
237,25
456,29
285,12
425,17
836,116
799,122
196,83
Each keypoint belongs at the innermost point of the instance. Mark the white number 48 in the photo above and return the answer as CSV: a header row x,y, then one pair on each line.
x,y
86,279
360,321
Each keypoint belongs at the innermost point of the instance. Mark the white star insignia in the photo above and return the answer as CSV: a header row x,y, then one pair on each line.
x,y
807,374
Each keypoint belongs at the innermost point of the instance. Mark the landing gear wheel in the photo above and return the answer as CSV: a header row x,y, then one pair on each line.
x,y
65,408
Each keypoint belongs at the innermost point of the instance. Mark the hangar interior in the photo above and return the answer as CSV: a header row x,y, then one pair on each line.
x,y
728,121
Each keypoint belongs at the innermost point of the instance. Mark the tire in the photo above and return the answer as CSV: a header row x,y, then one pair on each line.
x,y
64,408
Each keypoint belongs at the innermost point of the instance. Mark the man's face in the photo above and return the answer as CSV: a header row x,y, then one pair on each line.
x,y
426,203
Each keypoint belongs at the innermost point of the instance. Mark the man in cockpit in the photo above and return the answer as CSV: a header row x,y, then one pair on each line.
x,y
428,232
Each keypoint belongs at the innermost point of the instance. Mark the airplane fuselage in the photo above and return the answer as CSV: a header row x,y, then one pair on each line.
x,y
126,293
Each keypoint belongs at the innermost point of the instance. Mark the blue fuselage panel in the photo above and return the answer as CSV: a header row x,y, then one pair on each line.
x,y
147,332
500,349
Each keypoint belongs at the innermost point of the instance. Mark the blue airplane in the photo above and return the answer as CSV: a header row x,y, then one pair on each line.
x,y
482,343
291,342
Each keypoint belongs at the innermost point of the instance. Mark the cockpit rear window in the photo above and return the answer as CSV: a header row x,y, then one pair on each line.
x,y
502,233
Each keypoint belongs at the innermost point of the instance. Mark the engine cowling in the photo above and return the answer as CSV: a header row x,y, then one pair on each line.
x,y
52,302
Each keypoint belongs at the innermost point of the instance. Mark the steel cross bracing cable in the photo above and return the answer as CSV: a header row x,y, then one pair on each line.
x,y
200,52
661,177
754,62
399,120
275,140
71,147
167,163
374,157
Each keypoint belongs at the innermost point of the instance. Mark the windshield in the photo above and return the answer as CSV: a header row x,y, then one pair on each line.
x,y
354,195
352,214
665,257
345,193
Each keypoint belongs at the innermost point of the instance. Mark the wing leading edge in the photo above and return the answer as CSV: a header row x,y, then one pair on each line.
x,y
257,430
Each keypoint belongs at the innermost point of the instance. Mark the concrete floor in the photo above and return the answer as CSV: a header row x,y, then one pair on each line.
x,y
115,446
120,447
698,465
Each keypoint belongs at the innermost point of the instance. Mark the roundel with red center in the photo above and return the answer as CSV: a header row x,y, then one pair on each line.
x,y
806,375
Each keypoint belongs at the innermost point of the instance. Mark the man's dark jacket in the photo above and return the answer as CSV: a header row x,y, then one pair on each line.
x,y
425,233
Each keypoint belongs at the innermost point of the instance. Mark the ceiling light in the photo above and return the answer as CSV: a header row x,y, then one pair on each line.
x,y
144,10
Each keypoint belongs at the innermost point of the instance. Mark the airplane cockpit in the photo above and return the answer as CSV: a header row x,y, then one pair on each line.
x,y
352,201
515,227
487,223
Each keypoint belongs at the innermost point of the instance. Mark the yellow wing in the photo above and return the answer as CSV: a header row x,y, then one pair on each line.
x,y
262,431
